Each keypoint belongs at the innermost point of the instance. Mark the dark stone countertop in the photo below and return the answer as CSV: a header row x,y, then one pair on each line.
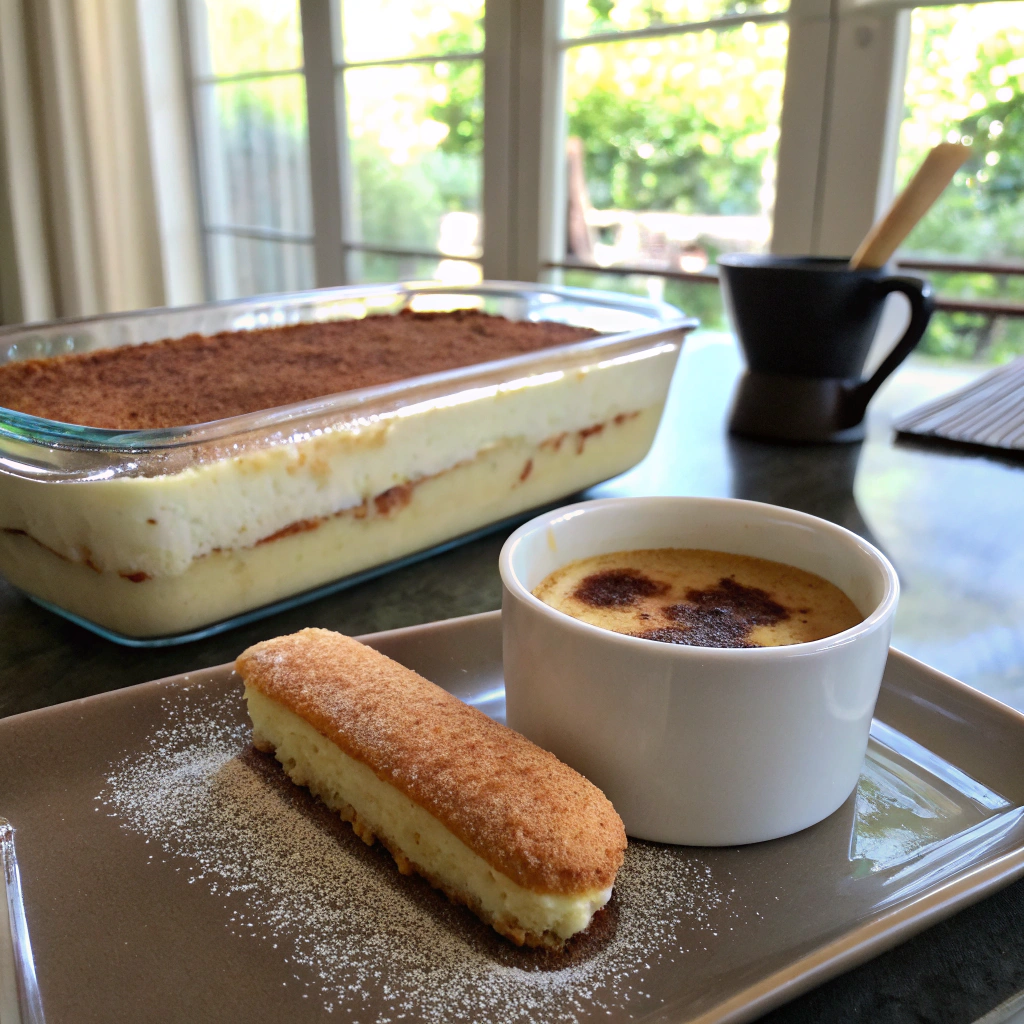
x,y
949,522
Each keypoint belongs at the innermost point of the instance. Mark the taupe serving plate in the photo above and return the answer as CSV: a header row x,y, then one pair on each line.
x,y
169,873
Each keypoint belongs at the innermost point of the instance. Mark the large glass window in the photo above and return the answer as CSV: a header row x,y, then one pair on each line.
x,y
254,180
412,74
672,121
409,76
665,135
965,81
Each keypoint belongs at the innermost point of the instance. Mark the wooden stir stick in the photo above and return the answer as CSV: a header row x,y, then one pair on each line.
x,y
910,205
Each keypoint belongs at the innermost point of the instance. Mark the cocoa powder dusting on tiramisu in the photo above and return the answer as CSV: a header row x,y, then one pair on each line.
x,y
197,379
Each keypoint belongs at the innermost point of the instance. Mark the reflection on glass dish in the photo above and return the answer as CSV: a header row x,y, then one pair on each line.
x,y
162,532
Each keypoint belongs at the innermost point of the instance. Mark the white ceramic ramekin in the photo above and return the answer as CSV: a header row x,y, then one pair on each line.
x,y
697,745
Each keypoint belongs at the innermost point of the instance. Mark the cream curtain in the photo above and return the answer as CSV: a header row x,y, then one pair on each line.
x,y
97,205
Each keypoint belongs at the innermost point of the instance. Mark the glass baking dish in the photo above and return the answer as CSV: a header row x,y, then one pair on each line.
x,y
152,537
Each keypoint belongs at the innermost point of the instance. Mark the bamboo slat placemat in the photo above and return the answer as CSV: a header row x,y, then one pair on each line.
x,y
988,412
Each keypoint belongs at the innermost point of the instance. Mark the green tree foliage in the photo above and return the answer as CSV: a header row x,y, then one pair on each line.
x,y
394,206
687,124
417,130
459,105
688,170
402,194
461,110
587,17
691,130
249,35
966,81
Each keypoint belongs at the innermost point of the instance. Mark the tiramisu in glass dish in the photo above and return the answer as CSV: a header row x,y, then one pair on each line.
x,y
161,472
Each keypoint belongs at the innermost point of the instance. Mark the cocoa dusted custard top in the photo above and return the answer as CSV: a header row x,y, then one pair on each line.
x,y
196,379
700,598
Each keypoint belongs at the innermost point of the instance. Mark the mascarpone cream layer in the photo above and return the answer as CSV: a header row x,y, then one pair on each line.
x,y
342,782
503,480
159,525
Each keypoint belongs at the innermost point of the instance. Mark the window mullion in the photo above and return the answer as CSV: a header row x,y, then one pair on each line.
x,y
523,139
864,115
500,131
539,217
841,113
218,254
329,181
802,127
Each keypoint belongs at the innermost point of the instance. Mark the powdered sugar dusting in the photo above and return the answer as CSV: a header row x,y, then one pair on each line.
x,y
353,930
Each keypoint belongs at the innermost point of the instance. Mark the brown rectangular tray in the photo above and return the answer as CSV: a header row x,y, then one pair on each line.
x,y
171,873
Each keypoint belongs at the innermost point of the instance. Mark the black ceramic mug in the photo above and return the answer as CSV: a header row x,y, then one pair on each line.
x,y
806,325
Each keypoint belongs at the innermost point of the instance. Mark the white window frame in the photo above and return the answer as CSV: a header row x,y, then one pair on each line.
x,y
337,247
841,113
842,108
211,188
552,253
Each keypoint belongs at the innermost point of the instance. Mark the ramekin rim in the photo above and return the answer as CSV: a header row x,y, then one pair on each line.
x,y
872,622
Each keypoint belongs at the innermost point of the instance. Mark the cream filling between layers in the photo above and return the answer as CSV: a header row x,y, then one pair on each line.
x,y
342,782
159,524
506,479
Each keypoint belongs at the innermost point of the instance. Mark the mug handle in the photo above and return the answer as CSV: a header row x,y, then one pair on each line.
x,y
922,304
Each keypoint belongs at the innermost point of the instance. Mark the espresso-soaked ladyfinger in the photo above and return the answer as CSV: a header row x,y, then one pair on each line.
x,y
482,813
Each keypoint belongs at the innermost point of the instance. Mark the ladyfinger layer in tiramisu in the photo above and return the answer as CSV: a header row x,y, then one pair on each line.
x,y
167,540
482,813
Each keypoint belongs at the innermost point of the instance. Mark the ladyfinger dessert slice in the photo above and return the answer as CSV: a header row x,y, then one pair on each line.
x,y
479,811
